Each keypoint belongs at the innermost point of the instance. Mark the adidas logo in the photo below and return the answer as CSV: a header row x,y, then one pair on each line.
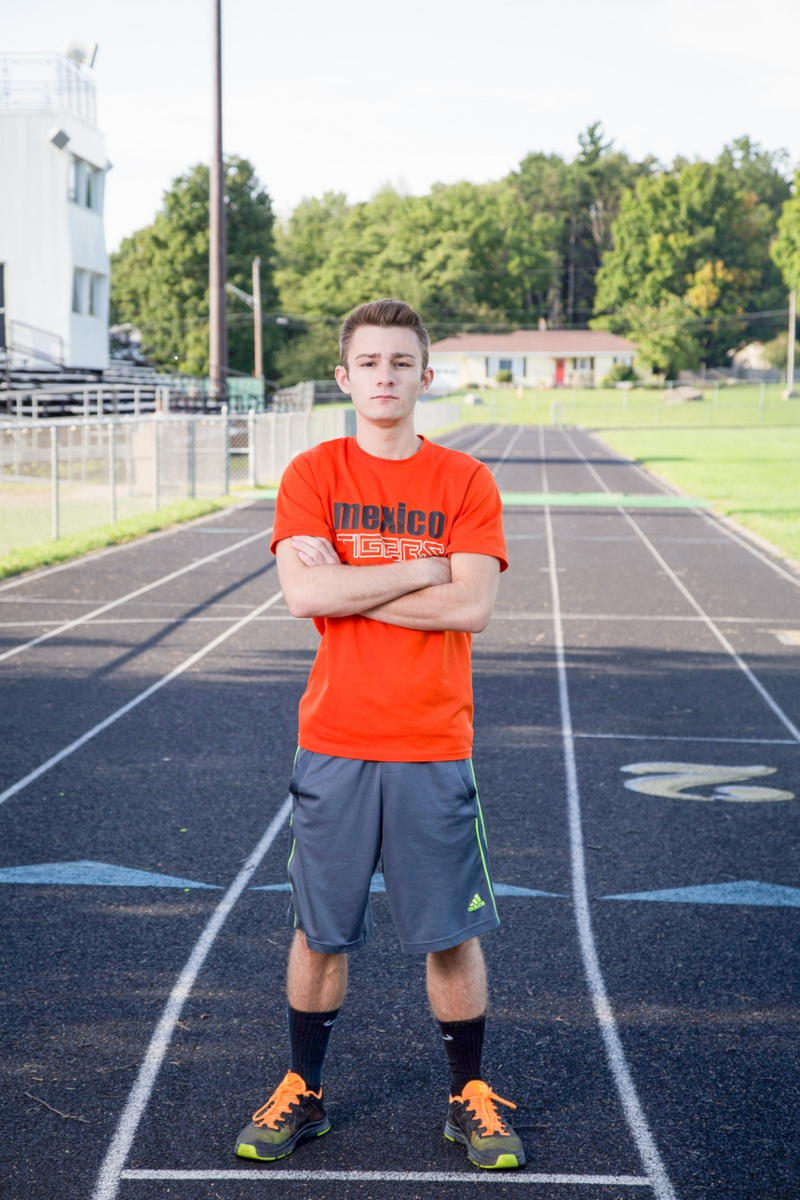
x,y
476,903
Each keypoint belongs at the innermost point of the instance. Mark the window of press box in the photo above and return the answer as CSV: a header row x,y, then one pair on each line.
x,y
84,184
79,290
96,295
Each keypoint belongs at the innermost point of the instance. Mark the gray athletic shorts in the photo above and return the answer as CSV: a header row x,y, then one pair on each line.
x,y
423,818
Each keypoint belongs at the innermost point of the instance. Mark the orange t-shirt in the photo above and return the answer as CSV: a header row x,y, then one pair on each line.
x,y
379,691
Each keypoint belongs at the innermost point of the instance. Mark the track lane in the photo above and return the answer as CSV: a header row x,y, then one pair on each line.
x,y
577,1142
713,628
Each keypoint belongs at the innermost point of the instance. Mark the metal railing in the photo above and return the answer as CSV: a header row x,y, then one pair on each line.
x,y
85,399
59,477
53,82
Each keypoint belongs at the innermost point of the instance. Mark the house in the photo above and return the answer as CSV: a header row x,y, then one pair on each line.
x,y
535,357
54,269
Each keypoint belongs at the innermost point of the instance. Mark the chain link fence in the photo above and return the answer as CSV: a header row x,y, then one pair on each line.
x,y
59,478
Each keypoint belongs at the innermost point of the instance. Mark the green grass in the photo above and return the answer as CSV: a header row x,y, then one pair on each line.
x,y
752,475
610,407
62,549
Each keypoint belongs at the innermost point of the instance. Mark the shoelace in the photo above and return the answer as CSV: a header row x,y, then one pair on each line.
x,y
481,1104
287,1093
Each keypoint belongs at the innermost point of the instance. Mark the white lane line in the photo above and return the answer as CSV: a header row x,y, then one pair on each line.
x,y
716,520
108,1179
655,617
695,604
148,587
623,1080
57,602
92,555
664,737
469,430
165,620
273,1175
503,616
514,439
142,696
493,432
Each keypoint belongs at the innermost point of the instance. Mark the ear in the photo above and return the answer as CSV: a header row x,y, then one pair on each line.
x,y
427,379
342,380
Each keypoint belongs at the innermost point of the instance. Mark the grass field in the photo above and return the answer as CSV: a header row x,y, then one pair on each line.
x,y
752,475
603,407
47,553
739,448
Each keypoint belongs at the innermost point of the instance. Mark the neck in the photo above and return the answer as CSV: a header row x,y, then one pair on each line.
x,y
393,441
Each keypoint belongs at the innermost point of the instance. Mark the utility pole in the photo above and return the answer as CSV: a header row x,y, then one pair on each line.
x,y
790,392
259,368
217,267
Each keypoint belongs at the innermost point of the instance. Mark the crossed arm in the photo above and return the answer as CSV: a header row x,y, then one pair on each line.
x,y
432,594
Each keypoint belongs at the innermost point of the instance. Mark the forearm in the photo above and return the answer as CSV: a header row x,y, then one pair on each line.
x,y
341,591
453,606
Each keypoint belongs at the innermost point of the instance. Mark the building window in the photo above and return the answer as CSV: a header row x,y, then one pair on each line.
x,y
79,290
2,306
584,364
96,283
506,364
93,188
84,184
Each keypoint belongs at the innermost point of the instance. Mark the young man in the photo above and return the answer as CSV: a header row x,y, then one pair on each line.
x,y
393,545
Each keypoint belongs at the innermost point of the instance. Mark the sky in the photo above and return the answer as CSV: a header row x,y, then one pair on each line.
x,y
353,95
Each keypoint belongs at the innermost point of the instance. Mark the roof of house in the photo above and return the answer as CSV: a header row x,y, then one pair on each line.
x,y
536,341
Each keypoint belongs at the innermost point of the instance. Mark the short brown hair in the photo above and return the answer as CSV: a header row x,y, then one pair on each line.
x,y
387,313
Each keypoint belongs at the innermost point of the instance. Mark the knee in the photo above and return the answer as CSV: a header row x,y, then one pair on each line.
x,y
464,954
323,963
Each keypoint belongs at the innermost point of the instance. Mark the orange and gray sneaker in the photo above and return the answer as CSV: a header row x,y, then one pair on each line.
x,y
292,1114
474,1121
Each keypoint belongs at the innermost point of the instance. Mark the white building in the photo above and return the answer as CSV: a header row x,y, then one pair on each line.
x,y
54,269
544,357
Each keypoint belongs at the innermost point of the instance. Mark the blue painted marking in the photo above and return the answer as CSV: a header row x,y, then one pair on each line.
x,y
378,884
745,891
97,874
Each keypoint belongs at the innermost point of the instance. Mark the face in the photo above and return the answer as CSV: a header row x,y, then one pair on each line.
x,y
384,374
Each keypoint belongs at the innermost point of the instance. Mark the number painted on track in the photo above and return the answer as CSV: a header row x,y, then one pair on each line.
x,y
671,780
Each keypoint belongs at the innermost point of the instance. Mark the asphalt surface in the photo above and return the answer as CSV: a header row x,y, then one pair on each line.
x,y
650,1044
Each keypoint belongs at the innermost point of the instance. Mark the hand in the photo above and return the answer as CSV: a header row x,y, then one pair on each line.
x,y
315,551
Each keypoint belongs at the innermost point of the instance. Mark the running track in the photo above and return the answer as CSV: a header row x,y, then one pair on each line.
x,y
644,982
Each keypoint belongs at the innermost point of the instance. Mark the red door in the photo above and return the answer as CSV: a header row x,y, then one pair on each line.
x,y
559,371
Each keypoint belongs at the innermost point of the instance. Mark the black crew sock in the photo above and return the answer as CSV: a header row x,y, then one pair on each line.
x,y
309,1034
463,1041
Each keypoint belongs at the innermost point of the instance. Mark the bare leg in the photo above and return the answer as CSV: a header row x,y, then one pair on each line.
x,y
315,982
457,982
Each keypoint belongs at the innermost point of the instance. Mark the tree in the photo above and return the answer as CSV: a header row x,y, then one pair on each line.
x,y
463,254
310,351
786,247
582,198
691,249
759,171
159,281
